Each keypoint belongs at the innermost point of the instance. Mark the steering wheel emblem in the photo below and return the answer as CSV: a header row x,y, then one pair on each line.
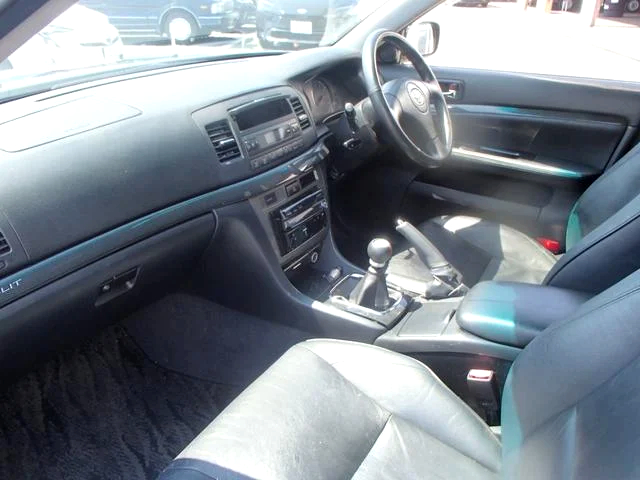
x,y
418,97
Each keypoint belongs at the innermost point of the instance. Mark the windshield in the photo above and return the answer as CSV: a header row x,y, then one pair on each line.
x,y
97,38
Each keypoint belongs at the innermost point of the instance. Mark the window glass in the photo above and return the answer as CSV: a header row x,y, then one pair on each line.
x,y
505,36
105,37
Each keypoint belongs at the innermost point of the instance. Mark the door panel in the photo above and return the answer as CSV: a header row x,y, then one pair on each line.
x,y
525,146
583,143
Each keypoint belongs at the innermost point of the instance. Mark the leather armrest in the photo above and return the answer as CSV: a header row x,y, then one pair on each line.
x,y
514,313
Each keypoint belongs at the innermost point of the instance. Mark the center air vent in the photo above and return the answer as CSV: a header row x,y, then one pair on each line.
x,y
223,140
303,118
4,245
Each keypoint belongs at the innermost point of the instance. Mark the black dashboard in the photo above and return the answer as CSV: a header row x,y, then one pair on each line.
x,y
90,170
117,186
79,162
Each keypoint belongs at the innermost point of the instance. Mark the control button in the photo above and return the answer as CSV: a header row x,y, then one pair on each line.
x,y
314,257
352,144
254,164
270,198
292,188
250,145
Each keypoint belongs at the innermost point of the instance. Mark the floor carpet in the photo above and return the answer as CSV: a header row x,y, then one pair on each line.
x,y
102,411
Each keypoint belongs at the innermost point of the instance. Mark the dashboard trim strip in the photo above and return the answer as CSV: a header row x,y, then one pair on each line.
x,y
520,164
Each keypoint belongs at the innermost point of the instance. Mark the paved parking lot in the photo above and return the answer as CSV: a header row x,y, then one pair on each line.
x,y
505,37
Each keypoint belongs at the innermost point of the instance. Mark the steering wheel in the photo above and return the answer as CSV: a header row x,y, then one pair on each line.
x,y
412,112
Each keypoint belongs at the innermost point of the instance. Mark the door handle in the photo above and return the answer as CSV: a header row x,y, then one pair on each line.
x,y
451,89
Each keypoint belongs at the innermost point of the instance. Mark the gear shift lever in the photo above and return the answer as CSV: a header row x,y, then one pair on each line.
x,y
371,291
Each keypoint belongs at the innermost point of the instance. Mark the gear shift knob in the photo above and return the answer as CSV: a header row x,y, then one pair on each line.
x,y
379,251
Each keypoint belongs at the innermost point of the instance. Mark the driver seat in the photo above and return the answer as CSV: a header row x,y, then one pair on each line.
x,y
602,241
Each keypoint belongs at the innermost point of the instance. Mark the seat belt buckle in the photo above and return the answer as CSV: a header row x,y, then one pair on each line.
x,y
483,386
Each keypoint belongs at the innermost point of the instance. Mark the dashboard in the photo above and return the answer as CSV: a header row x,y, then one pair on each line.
x,y
80,161
118,183
91,169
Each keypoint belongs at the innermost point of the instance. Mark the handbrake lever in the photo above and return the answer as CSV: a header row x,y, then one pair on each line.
x,y
431,257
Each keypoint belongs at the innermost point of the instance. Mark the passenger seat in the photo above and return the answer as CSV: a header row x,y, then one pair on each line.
x,y
335,409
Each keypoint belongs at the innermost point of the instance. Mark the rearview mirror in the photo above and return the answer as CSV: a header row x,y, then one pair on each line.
x,y
424,37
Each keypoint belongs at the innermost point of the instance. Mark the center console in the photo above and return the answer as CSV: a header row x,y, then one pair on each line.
x,y
295,216
257,132
301,219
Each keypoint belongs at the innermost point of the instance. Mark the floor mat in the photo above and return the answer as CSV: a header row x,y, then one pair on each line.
x,y
197,337
102,411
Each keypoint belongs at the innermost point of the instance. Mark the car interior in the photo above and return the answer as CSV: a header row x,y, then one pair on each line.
x,y
339,262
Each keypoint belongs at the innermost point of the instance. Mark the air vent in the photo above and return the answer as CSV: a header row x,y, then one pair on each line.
x,y
4,245
303,118
223,140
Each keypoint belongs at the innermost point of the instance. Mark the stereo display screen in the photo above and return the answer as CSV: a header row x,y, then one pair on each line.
x,y
262,113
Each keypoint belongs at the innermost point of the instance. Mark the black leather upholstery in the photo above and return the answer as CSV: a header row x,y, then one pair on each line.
x,y
335,409
571,401
479,249
515,313
603,236
332,409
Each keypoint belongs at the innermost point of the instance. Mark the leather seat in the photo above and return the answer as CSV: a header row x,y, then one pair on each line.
x,y
335,409
603,236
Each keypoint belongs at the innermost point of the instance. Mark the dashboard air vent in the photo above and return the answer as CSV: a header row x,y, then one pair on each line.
x,y
4,245
298,108
223,140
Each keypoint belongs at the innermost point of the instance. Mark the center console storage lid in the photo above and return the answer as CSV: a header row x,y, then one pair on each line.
x,y
514,313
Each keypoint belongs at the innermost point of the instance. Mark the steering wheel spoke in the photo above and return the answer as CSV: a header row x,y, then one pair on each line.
x,y
413,113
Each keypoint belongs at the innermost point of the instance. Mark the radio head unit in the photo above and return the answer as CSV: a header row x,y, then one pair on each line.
x,y
299,220
269,130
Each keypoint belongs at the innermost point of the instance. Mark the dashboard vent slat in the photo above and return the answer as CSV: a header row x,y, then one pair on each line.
x,y
4,245
298,108
223,141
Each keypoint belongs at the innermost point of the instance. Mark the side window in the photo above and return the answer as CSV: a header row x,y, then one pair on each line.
x,y
554,37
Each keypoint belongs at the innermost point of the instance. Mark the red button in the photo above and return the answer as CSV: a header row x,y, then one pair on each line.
x,y
552,245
